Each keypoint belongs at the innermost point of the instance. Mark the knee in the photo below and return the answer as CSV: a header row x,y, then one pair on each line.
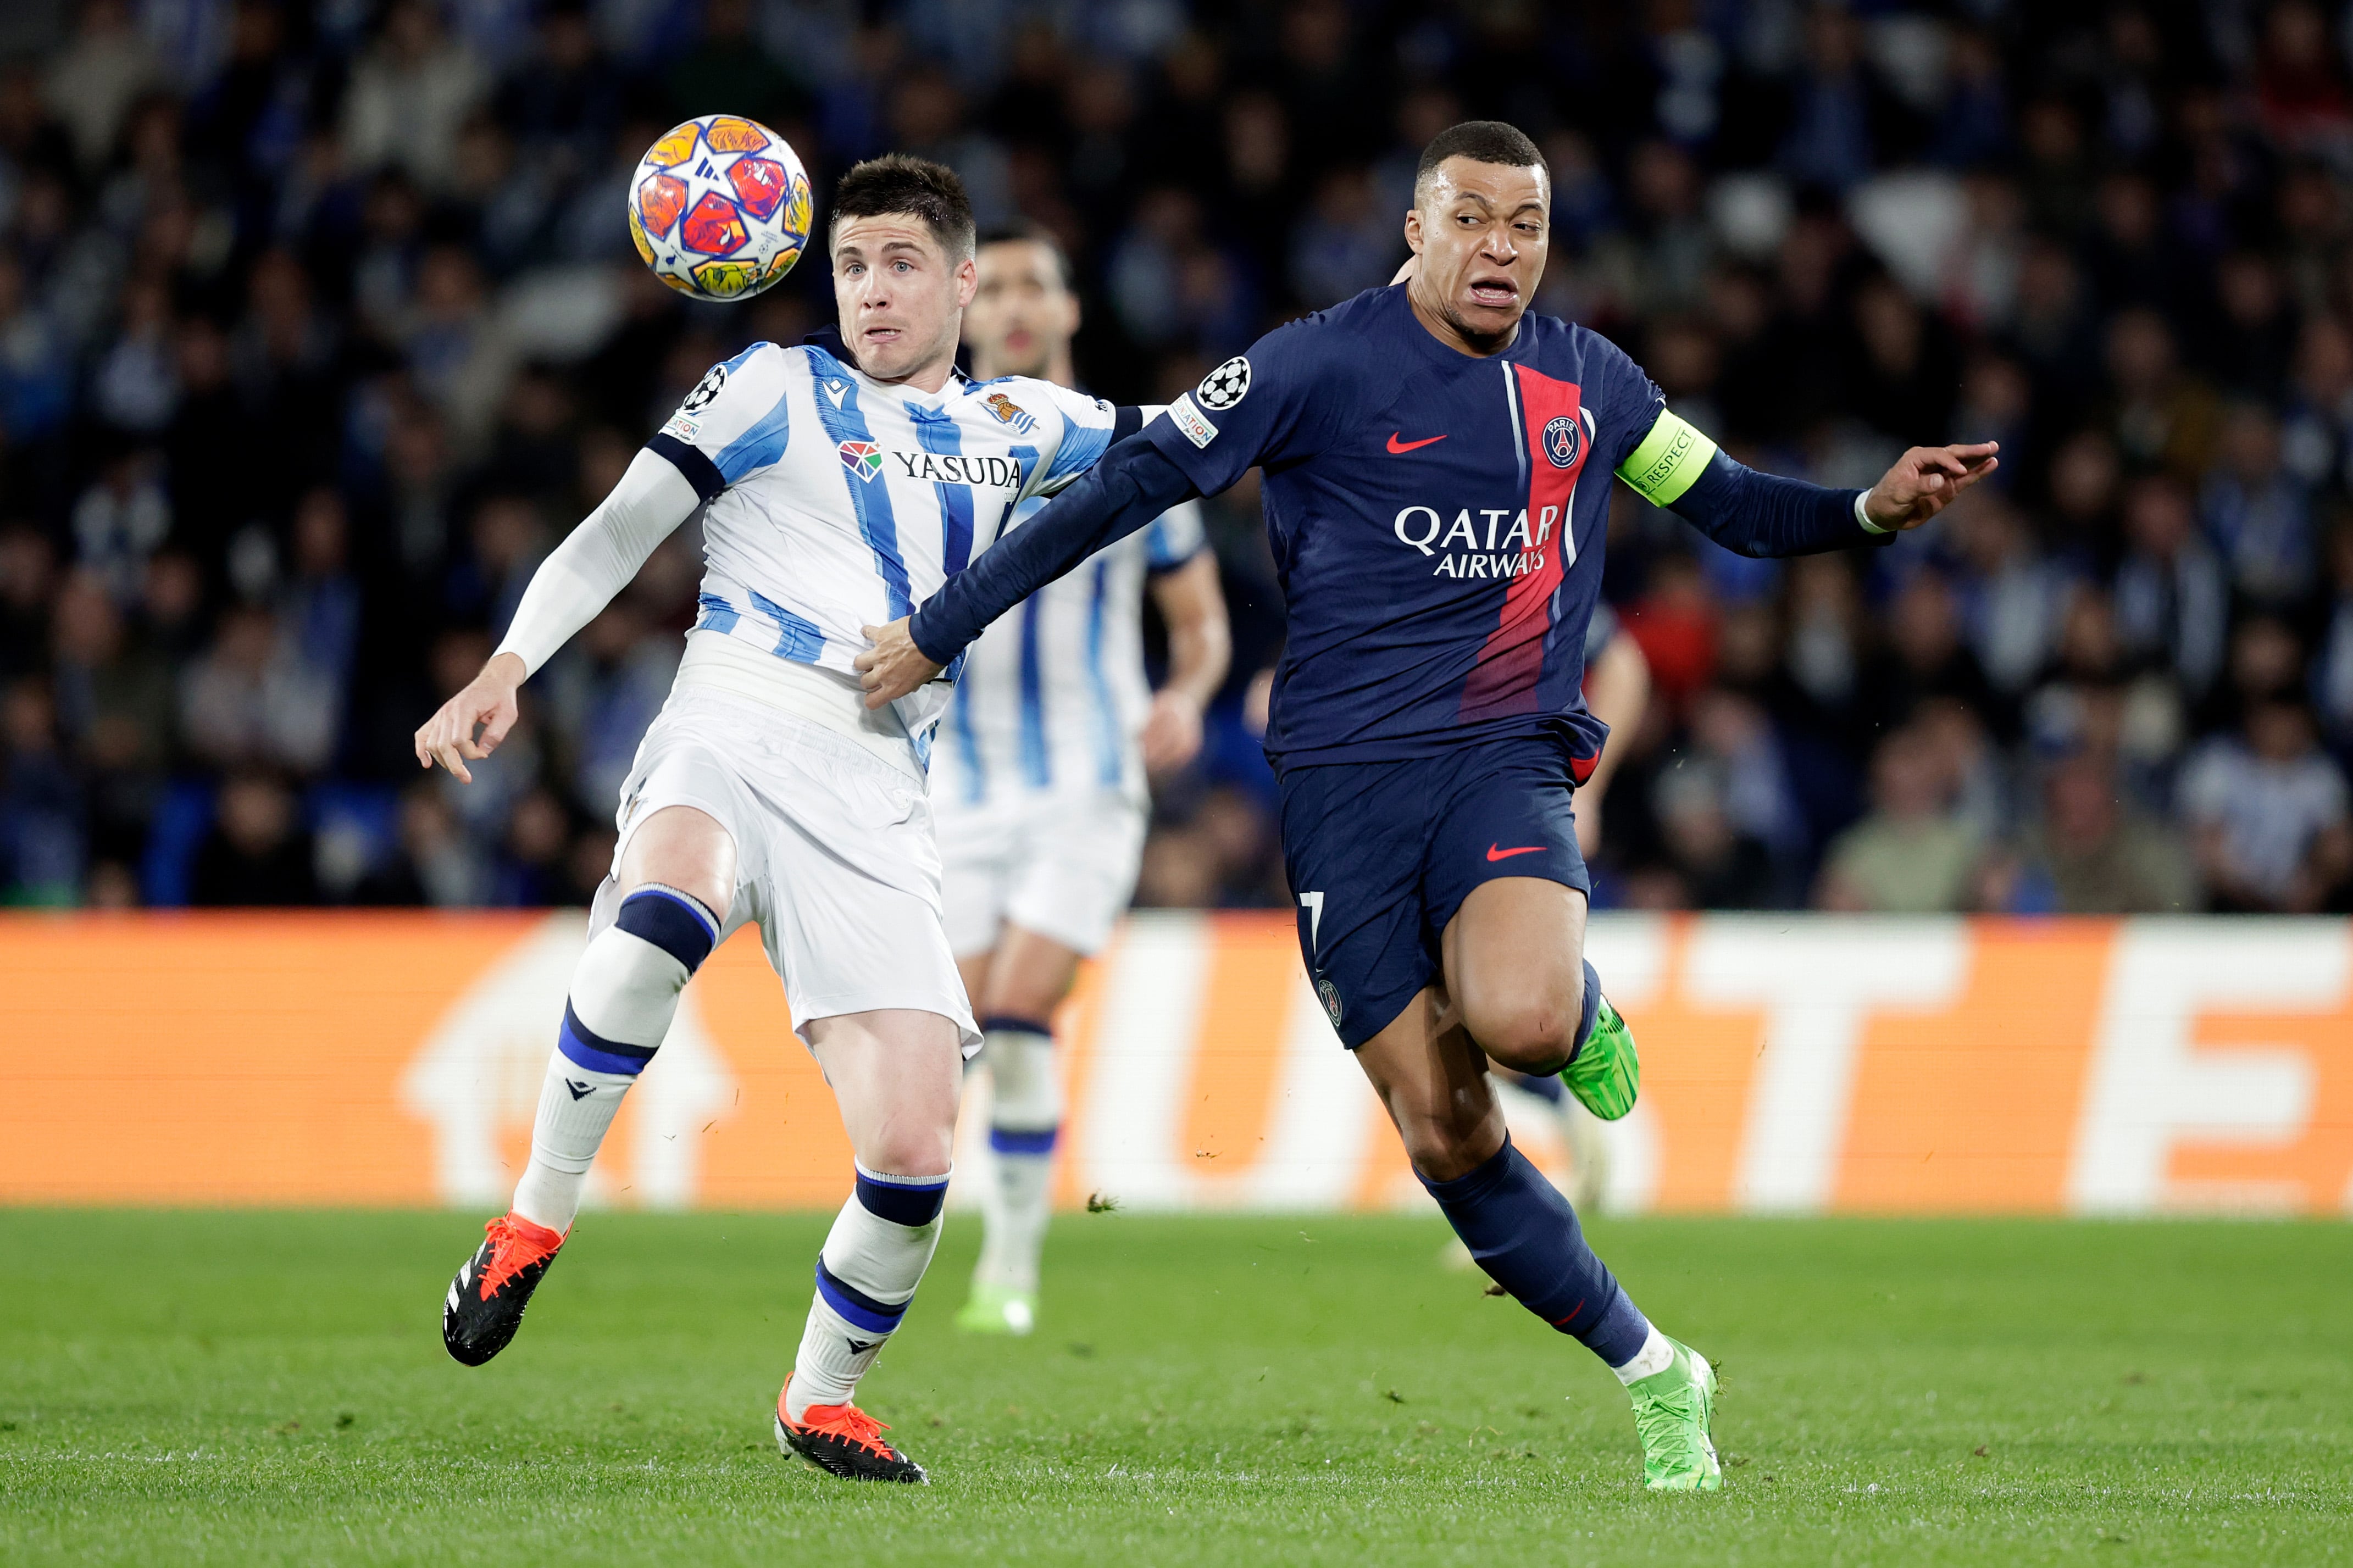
x,y
1021,996
1534,1032
681,847
916,1135
907,1148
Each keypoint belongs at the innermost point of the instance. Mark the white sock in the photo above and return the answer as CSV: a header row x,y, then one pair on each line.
x,y
576,1106
622,998
873,1258
1016,1234
1025,1115
1657,1355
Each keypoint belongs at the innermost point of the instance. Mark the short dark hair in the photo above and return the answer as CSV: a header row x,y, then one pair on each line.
x,y
1481,141
896,183
1034,234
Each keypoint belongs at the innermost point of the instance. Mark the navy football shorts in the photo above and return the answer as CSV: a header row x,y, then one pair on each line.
x,y
1381,854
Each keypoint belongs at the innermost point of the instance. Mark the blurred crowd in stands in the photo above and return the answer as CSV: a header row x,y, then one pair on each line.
x,y
319,323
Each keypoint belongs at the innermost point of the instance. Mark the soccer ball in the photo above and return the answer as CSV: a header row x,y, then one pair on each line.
x,y
720,207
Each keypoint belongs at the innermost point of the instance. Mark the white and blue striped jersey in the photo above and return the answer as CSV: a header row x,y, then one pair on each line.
x,y
836,502
1053,694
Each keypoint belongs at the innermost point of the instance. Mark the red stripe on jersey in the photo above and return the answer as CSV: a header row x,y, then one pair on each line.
x,y
1503,681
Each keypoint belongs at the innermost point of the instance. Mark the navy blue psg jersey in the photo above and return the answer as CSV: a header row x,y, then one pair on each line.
x,y
1437,521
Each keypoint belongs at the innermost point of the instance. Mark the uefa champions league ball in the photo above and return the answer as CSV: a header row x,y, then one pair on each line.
x,y
720,207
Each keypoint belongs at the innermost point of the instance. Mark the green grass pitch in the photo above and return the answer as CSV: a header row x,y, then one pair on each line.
x,y
248,1388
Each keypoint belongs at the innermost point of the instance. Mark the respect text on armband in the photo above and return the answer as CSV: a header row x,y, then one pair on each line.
x,y
1650,481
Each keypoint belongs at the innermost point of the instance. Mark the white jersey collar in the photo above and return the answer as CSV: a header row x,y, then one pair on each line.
x,y
829,340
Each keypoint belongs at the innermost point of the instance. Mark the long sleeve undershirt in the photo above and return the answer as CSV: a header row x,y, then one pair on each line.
x,y
1760,514
1131,484
597,559
1742,509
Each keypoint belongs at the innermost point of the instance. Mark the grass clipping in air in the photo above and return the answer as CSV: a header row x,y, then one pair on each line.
x,y
253,1388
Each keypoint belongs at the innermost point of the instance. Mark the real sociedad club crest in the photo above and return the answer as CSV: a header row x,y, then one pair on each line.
x,y
1564,438
1009,411
1224,386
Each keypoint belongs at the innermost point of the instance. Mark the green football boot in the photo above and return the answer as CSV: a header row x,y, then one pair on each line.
x,y
998,1309
1608,1072
1674,1412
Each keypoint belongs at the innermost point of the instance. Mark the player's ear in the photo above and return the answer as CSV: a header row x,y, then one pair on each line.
x,y
1413,228
968,279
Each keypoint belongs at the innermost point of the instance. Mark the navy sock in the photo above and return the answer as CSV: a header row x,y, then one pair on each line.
x,y
1523,1233
1592,1010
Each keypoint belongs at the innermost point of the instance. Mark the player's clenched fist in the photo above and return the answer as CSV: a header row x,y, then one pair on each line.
x,y
1924,480
894,666
487,705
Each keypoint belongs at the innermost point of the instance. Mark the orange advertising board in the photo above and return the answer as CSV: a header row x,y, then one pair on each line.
x,y
1792,1064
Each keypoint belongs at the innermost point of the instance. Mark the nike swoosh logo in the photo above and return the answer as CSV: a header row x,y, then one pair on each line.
x,y
1495,853
1396,446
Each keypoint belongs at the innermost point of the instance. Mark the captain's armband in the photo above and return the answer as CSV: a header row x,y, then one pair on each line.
x,y
1670,461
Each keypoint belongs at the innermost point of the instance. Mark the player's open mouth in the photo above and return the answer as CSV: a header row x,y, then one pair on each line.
x,y
881,334
1493,291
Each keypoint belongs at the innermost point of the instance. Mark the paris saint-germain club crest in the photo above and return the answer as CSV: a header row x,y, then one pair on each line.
x,y
1564,438
863,458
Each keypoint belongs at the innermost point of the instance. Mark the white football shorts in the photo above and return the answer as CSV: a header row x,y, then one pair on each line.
x,y
1062,864
834,853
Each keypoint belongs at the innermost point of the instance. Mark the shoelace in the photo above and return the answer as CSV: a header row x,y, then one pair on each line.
x,y
854,1425
1664,1423
510,1255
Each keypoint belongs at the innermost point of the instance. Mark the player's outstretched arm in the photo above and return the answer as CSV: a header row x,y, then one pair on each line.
x,y
1761,514
1132,484
576,582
